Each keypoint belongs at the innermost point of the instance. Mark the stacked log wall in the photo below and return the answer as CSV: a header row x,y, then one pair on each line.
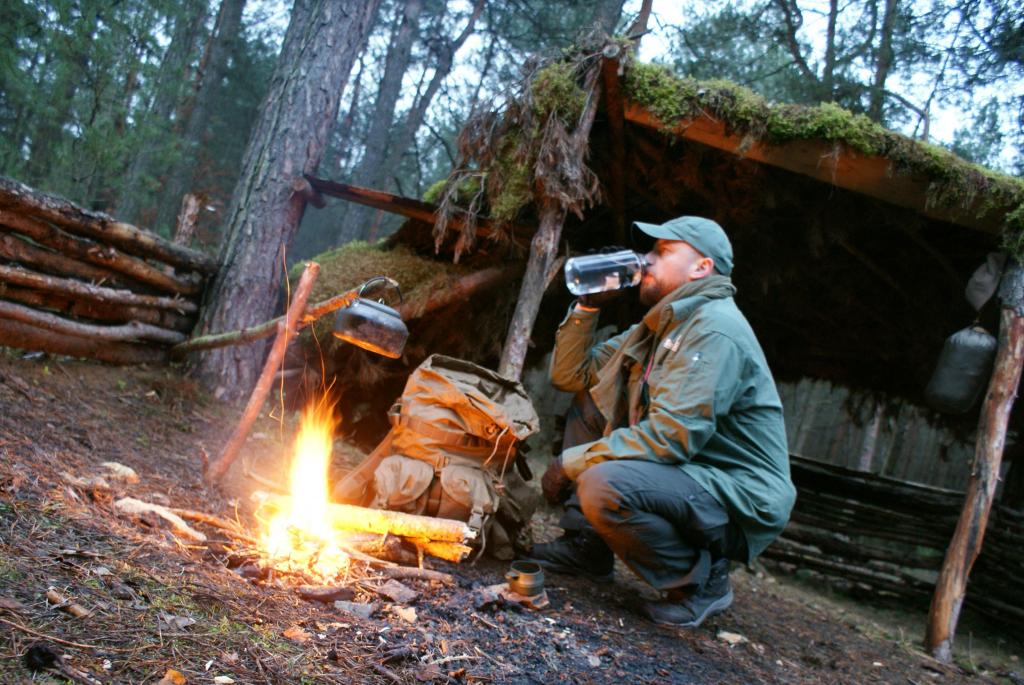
x,y
888,537
81,283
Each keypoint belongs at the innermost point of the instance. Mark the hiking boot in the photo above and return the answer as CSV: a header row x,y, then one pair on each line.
x,y
576,553
690,609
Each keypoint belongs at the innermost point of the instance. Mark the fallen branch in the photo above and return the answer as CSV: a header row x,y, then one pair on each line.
x,y
134,507
209,519
16,249
285,330
400,572
97,311
66,643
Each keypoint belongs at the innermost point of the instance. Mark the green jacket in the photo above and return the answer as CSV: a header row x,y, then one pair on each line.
x,y
710,404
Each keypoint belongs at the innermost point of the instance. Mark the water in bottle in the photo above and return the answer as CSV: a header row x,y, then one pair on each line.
x,y
598,273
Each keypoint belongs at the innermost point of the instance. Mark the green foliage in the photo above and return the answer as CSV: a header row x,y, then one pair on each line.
x,y
555,89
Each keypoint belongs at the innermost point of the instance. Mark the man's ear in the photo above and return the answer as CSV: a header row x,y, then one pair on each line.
x,y
705,266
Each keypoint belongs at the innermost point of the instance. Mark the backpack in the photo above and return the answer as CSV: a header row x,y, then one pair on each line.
x,y
455,452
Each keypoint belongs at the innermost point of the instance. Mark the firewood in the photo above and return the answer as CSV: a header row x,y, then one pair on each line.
x,y
133,507
419,528
94,293
22,199
51,322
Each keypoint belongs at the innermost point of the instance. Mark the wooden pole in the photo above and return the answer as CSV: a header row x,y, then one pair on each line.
x,y
543,248
16,249
963,549
285,330
74,219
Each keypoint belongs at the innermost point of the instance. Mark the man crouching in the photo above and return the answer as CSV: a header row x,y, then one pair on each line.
x,y
675,456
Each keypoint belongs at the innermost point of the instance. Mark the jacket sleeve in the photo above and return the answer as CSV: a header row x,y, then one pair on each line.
x,y
575,360
699,383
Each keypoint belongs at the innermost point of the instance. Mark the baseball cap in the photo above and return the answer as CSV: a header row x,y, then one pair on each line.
x,y
705,235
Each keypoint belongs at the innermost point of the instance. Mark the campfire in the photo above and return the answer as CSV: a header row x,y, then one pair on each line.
x,y
299,537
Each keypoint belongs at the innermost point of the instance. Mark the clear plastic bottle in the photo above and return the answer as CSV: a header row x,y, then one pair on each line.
x,y
598,273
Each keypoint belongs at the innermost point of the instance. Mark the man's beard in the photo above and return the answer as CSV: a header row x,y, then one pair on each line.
x,y
650,293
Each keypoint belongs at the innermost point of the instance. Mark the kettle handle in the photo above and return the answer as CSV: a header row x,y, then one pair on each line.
x,y
389,281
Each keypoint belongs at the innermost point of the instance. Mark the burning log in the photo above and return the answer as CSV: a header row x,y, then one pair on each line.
x,y
422,530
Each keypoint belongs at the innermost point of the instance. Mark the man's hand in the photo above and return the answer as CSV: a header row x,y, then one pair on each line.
x,y
555,484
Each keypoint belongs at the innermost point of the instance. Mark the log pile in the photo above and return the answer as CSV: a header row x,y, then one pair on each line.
x,y
890,536
81,283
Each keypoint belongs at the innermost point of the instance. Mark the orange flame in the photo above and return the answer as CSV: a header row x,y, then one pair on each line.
x,y
301,538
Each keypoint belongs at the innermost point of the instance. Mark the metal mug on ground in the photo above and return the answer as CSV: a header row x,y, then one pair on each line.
x,y
525,578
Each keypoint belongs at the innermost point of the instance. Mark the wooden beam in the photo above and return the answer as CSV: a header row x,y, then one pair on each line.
x,y
951,585
404,206
834,164
21,199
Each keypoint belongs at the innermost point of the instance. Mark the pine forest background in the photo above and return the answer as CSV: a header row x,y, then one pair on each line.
x,y
125,105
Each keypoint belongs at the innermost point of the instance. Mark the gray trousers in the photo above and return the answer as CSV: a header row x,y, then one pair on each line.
x,y
663,524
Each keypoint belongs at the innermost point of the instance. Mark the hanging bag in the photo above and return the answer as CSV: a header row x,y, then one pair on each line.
x,y
965,363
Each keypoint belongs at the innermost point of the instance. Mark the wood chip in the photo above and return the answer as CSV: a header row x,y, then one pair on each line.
x,y
397,592
120,472
172,677
60,601
297,634
732,639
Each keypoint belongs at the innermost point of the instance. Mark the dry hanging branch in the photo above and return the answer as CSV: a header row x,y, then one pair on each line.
x,y
285,330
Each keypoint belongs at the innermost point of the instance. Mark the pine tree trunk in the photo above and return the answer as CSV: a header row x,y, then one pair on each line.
x,y
179,181
288,139
372,171
883,63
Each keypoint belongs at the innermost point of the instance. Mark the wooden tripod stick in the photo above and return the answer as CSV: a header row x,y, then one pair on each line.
x,y
286,328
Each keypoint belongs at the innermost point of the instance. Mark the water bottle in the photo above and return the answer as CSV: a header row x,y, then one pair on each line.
x,y
598,273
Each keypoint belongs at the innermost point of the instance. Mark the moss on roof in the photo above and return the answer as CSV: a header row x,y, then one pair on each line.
x,y
350,265
955,182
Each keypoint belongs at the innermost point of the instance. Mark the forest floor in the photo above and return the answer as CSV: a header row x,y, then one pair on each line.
x,y
154,608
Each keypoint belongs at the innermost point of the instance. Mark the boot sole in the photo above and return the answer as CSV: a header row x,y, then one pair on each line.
x,y
561,569
713,609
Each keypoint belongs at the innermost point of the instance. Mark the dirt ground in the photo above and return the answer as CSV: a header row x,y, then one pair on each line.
x,y
155,608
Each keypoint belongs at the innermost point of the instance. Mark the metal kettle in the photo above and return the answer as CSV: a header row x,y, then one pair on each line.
x,y
372,325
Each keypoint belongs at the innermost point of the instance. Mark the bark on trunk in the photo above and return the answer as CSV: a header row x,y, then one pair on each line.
x,y
179,181
883,63
543,249
372,171
288,139
951,585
